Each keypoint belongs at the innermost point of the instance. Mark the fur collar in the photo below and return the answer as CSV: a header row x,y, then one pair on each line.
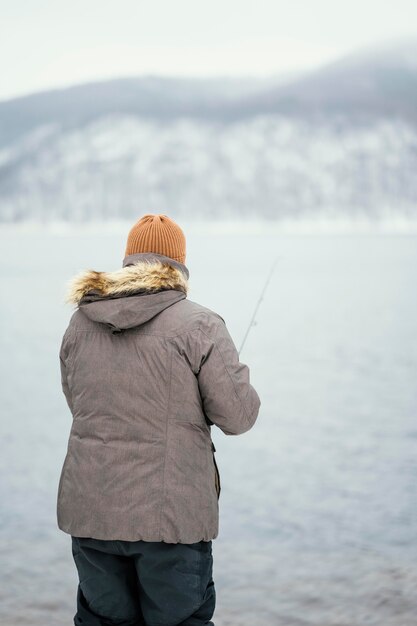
x,y
144,275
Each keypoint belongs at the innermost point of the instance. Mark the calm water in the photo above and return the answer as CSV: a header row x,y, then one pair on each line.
x,y
318,521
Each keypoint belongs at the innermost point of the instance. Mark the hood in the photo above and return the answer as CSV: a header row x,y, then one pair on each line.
x,y
147,284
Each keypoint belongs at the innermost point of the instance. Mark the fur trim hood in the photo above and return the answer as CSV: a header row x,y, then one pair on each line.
x,y
144,272
117,299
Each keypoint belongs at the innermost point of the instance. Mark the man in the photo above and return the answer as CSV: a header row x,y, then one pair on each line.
x,y
146,373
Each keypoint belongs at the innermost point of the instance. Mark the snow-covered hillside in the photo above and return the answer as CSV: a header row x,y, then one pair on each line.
x,y
267,166
341,141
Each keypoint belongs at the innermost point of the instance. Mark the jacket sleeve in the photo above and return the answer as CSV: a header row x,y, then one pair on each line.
x,y
63,356
229,400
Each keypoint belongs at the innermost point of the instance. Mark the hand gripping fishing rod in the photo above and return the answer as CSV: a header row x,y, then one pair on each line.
x,y
253,318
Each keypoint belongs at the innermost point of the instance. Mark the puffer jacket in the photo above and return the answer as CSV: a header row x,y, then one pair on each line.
x,y
146,372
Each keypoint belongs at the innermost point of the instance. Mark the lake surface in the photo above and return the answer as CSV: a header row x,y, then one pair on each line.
x,y
318,509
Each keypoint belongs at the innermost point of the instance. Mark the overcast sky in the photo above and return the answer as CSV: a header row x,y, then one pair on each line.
x,y
51,43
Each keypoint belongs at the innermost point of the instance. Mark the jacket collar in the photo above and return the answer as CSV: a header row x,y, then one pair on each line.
x,y
151,256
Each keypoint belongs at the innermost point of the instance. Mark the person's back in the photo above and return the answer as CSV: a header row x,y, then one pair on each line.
x,y
146,373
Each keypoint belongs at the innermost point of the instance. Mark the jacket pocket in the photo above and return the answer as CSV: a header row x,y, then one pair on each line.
x,y
217,473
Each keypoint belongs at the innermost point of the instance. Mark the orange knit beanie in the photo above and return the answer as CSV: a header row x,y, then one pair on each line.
x,y
158,234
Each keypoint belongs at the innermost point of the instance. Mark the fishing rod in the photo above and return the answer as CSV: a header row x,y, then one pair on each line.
x,y
252,321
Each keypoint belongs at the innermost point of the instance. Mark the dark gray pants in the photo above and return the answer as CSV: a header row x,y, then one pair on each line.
x,y
142,583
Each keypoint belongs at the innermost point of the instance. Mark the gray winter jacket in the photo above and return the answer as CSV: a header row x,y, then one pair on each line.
x,y
146,372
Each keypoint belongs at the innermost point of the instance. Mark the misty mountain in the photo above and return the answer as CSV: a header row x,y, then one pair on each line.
x,y
341,140
378,82
151,97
